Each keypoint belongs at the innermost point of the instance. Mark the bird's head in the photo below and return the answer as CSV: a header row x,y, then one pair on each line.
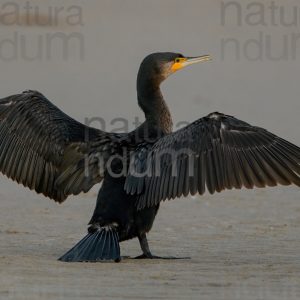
x,y
156,67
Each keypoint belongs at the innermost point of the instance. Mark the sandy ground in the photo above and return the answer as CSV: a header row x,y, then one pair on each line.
x,y
243,245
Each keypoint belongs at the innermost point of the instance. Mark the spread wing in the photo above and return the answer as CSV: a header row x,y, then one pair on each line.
x,y
46,150
216,152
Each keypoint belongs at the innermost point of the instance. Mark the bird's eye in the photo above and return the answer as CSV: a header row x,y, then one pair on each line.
x,y
177,60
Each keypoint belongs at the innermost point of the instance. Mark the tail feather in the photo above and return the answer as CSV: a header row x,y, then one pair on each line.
x,y
101,245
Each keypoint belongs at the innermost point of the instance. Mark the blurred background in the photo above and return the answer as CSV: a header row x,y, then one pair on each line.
x,y
84,56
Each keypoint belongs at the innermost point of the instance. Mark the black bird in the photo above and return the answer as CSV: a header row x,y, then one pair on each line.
x,y
46,150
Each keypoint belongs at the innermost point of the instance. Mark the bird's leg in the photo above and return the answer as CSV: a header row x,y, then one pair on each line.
x,y
145,247
146,250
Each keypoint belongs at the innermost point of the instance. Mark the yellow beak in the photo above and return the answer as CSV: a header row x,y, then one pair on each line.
x,y
186,61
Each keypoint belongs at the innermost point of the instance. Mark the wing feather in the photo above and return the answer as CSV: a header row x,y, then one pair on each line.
x,y
216,152
45,150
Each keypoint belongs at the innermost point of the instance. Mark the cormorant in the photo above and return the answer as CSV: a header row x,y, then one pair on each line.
x,y
49,152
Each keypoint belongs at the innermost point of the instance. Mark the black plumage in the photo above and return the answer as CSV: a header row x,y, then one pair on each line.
x,y
51,153
226,153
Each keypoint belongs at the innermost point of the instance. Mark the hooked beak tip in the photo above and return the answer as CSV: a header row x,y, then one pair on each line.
x,y
198,59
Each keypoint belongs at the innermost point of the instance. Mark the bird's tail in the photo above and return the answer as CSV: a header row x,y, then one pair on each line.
x,y
99,245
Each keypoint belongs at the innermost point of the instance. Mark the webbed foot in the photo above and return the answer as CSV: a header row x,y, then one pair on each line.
x,y
150,256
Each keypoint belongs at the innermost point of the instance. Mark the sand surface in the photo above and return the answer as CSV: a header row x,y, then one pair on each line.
x,y
242,246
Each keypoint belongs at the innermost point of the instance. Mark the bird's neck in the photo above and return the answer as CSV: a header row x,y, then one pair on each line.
x,y
156,111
